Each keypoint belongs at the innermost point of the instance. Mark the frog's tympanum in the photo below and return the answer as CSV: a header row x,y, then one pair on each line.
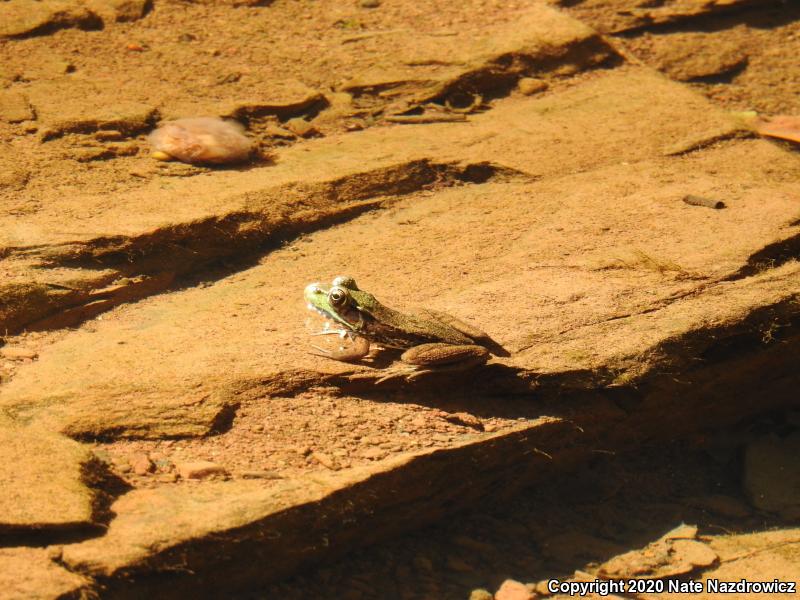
x,y
432,341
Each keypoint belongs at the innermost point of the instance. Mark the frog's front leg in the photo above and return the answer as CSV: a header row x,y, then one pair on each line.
x,y
357,351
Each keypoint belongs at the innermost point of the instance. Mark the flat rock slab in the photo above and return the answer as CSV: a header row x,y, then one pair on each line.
x,y
224,212
183,359
263,530
424,68
537,237
156,530
556,222
764,556
14,107
71,92
20,18
25,18
693,55
617,16
87,117
282,99
42,478
596,123
32,574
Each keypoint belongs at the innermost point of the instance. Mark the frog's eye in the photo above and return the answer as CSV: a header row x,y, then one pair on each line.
x,y
337,297
345,281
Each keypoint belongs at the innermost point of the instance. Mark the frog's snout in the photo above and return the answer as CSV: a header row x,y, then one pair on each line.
x,y
312,291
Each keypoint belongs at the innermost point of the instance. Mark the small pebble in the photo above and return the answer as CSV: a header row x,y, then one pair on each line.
x,y
108,135
514,590
260,475
141,464
373,453
17,353
301,127
326,461
369,3
465,419
529,86
199,469
272,130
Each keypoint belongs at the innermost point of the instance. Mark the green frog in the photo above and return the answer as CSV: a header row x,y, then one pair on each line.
x,y
432,341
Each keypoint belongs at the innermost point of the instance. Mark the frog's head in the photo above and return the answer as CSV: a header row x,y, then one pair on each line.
x,y
342,302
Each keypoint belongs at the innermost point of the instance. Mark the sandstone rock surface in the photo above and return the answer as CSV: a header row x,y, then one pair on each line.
x,y
42,478
159,306
31,574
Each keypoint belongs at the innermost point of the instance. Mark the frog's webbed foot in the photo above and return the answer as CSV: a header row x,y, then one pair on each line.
x,y
358,350
406,372
436,358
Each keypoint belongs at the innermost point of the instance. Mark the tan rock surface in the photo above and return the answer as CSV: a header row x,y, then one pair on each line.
x,y
31,574
690,56
186,356
41,475
14,107
254,520
433,66
554,221
614,16
217,217
200,469
675,554
120,10
20,18
756,557
178,395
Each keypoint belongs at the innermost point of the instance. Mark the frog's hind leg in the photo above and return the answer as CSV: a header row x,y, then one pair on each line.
x,y
454,322
480,336
437,358
438,355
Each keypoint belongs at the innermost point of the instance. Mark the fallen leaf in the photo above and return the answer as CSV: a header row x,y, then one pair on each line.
x,y
785,127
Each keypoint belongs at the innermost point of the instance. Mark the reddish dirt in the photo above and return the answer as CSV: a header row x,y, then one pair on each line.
x,y
310,431
616,504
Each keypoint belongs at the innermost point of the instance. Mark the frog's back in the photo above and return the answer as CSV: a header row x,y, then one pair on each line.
x,y
398,330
